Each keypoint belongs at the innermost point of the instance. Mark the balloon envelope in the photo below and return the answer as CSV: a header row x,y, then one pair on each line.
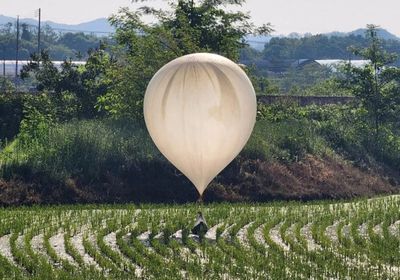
x,y
200,110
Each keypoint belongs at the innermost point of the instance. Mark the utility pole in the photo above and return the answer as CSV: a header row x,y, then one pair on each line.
x,y
4,74
17,49
39,14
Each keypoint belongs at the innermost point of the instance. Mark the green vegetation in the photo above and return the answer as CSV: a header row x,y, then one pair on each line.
x,y
189,27
81,138
320,47
280,58
72,91
300,241
376,85
110,160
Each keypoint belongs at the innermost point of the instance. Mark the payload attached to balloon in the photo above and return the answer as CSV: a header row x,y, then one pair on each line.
x,y
200,110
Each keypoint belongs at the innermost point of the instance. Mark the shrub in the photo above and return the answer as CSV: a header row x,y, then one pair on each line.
x,y
11,108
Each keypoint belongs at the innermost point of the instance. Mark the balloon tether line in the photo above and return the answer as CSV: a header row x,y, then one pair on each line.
x,y
200,199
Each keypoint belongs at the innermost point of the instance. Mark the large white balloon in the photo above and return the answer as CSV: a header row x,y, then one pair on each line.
x,y
200,110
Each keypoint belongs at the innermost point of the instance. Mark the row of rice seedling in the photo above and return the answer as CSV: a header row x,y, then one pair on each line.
x,y
320,240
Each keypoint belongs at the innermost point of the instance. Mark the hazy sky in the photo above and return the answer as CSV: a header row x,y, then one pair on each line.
x,y
315,16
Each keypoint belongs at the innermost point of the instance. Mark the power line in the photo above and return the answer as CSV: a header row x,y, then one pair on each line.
x,y
101,32
257,42
108,32
83,31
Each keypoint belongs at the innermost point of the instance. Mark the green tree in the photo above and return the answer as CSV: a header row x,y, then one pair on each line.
x,y
298,79
189,27
78,42
376,85
26,33
42,68
322,47
73,83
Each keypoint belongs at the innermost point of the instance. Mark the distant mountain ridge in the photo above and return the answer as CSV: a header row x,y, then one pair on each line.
x,y
98,26
382,33
257,41
102,26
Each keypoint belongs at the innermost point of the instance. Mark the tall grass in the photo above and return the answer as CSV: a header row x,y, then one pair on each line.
x,y
104,160
91,148
80,148
288,140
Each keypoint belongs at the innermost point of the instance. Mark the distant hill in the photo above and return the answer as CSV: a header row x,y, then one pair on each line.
x,y
382,33
97,26
258,42
102,26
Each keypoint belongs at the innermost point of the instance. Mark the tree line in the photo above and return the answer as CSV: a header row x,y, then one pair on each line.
x,y
59,45
321,47
75,45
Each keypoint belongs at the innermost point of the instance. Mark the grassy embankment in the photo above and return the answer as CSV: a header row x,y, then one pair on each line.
x,y
293,153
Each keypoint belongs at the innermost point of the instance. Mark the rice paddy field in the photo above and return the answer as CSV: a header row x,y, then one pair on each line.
x,y
321,240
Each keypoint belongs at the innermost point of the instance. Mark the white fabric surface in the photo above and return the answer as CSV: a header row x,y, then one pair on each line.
x,y
200,110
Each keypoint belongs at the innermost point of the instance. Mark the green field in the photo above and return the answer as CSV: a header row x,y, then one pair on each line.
x,y
325,240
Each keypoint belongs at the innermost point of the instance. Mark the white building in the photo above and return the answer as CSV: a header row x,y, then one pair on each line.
x,y
7,67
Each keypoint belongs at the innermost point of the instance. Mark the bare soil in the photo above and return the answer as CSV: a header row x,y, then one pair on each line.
x,y
311,178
